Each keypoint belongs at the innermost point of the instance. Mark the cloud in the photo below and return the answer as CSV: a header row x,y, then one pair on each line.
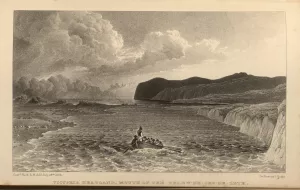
x,y
163,51
193,54
116,86
57,87
167,44
157,46
206,49
169,50
80,38
83,45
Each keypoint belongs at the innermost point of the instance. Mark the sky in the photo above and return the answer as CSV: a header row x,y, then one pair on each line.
x,y
121,49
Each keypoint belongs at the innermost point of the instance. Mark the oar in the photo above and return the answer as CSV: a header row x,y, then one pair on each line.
x,y
126,150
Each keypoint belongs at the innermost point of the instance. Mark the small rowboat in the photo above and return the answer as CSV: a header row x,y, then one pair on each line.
x,y
148,144
144,144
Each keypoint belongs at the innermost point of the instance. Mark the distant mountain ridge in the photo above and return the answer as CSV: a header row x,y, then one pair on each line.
x,y
195,87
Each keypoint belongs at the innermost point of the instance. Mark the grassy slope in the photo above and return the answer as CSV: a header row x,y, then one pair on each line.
x,y
276,94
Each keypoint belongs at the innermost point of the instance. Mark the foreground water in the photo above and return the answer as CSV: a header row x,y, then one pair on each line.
x,y
98,140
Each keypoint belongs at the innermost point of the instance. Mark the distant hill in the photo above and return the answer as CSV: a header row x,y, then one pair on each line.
x,y
92,104
195,87
277,94
60,103
22,99
36,100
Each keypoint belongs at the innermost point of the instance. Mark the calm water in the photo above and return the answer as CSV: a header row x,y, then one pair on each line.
x,y
98,141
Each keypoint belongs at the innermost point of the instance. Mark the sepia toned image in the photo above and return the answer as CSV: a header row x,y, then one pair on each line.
x,y
156,92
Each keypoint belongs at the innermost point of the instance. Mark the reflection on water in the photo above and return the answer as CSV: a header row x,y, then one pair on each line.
x,y
98,141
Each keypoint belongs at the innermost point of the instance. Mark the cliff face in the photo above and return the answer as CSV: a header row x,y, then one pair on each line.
x,y
264,121
231,86
256,120
217,113
277,150
147,90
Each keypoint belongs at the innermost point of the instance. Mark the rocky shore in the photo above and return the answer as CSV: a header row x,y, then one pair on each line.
x,y
264,121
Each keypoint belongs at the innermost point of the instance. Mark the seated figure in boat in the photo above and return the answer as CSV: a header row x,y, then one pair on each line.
x,y
160,143
152,141
144,139
134,142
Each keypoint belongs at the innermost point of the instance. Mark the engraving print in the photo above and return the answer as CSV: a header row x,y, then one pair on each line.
x,y
113,91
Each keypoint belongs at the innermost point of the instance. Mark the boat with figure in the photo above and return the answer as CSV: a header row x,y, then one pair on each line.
x,y
149,142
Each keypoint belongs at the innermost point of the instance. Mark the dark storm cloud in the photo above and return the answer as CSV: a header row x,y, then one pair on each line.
x,y
45,39
57,87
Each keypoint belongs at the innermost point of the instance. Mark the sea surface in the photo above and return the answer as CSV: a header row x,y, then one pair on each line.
x,y
98,141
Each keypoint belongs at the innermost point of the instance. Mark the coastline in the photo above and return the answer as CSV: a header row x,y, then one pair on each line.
x,y
33,121
32,126
20,148
265,122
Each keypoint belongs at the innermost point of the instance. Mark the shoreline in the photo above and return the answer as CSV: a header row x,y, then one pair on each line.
x,y
263,121
34,120
27,128
21,148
